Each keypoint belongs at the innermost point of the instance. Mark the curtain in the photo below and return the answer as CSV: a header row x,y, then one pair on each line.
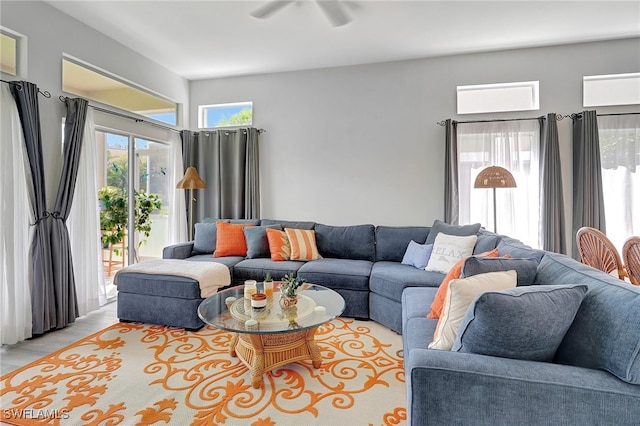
x,y
228,162
15,295
451,195
84,227
43,305
588,200
177,214
61,257
515,146
552,227
619,138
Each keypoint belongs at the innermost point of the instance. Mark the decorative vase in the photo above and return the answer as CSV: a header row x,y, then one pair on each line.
x,y
288,300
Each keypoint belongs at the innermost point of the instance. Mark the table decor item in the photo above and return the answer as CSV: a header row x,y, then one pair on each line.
x,y
268,284
258,300
290,283
250,288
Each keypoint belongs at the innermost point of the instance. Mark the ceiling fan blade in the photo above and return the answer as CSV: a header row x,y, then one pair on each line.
x,y
270,8
335,12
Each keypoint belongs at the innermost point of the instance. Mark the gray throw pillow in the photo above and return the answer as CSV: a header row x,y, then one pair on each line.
x,y
457,230
526,323
204,240
526,269
257,243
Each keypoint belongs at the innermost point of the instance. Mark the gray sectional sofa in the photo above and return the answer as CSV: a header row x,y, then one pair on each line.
x,y
593,378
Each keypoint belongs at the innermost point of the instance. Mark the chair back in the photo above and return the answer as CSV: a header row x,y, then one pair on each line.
x,y
631,258
597,251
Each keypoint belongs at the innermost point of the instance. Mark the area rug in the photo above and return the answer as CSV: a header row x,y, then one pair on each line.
x,y
141,374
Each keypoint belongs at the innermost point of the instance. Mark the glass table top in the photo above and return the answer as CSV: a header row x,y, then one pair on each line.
x,y
229,310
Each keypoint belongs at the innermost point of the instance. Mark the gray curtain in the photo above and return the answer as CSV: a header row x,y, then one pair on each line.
x,y
227,161
42,291
451,195
63,277
552,225
588,201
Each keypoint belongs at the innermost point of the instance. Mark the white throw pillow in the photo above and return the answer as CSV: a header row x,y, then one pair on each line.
x,y
459,297
448,250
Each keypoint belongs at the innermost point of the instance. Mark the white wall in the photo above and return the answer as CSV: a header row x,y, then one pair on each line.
x,y
50,33
360,144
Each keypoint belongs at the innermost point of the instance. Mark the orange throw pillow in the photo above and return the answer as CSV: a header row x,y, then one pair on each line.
x,y
453,274
230,239
278,245
303,244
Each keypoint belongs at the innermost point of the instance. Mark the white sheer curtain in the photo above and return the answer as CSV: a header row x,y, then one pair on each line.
x,y
620,158
84,227
15,294
514,145
177,212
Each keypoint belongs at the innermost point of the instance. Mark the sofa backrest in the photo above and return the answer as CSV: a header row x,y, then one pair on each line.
x,y
289,223
516,248
392,241
346,242
605,333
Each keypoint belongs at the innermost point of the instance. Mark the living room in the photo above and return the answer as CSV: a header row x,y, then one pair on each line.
x,y
349,144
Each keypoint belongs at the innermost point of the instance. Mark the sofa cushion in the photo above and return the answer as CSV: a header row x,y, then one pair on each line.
x,y
449,249
158,285
338,273
525,268
520,323
486,241
204,238
392,241
605,333
460,295
257,242
346,242
516,249
453,274
302,243
288,223
230,239
279,246
439,227
417,255
389,279
256,269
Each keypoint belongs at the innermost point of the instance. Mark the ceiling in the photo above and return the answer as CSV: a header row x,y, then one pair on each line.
x,y
204,39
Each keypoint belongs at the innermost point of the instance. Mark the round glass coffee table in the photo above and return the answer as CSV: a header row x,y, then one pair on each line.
x,y
276,335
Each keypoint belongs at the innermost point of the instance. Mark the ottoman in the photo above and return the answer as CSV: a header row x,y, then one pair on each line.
x,y
168,291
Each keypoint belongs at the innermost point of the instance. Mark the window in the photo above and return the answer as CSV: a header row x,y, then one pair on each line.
x,y
619,137
12,52
520,96
225,115
82,80
515,146
617,89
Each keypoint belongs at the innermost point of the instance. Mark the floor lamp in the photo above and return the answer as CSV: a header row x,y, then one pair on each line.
x,y
495,177
191,181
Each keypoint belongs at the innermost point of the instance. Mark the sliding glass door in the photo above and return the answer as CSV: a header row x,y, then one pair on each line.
x,y
134,198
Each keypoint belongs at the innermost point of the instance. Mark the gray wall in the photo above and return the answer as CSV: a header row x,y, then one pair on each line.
x,y
360,144
50,33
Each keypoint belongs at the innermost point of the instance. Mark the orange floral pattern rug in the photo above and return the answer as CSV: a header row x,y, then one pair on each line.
x,y
136,374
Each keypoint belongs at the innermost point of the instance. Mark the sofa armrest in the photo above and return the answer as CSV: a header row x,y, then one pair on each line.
x,y
457,388
178,251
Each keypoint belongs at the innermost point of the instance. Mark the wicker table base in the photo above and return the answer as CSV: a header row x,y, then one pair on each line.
x,y
264,352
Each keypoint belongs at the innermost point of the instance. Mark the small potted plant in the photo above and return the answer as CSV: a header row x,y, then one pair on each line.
x,y
290,283
268,284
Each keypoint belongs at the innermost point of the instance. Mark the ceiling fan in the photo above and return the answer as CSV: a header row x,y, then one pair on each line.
x,y
333,10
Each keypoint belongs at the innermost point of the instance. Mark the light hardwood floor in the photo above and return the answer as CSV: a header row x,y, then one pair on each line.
x,y
22,353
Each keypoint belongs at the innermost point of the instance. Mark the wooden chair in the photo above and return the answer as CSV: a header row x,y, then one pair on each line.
x,y
597,251
631,258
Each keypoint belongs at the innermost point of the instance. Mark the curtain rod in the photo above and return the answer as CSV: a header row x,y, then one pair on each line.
x,y
19,84
579,114
137,119
443,122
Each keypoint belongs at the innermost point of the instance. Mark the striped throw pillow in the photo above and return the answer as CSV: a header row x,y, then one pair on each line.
x,y
303,244
278,245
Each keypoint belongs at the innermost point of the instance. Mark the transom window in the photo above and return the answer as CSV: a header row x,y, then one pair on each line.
x,y
12,46
225,115
80,79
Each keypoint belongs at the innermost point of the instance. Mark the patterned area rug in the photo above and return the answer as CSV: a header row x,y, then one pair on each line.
x,y
141,374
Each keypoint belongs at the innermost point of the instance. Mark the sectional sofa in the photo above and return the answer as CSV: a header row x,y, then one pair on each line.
x,y
592,378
